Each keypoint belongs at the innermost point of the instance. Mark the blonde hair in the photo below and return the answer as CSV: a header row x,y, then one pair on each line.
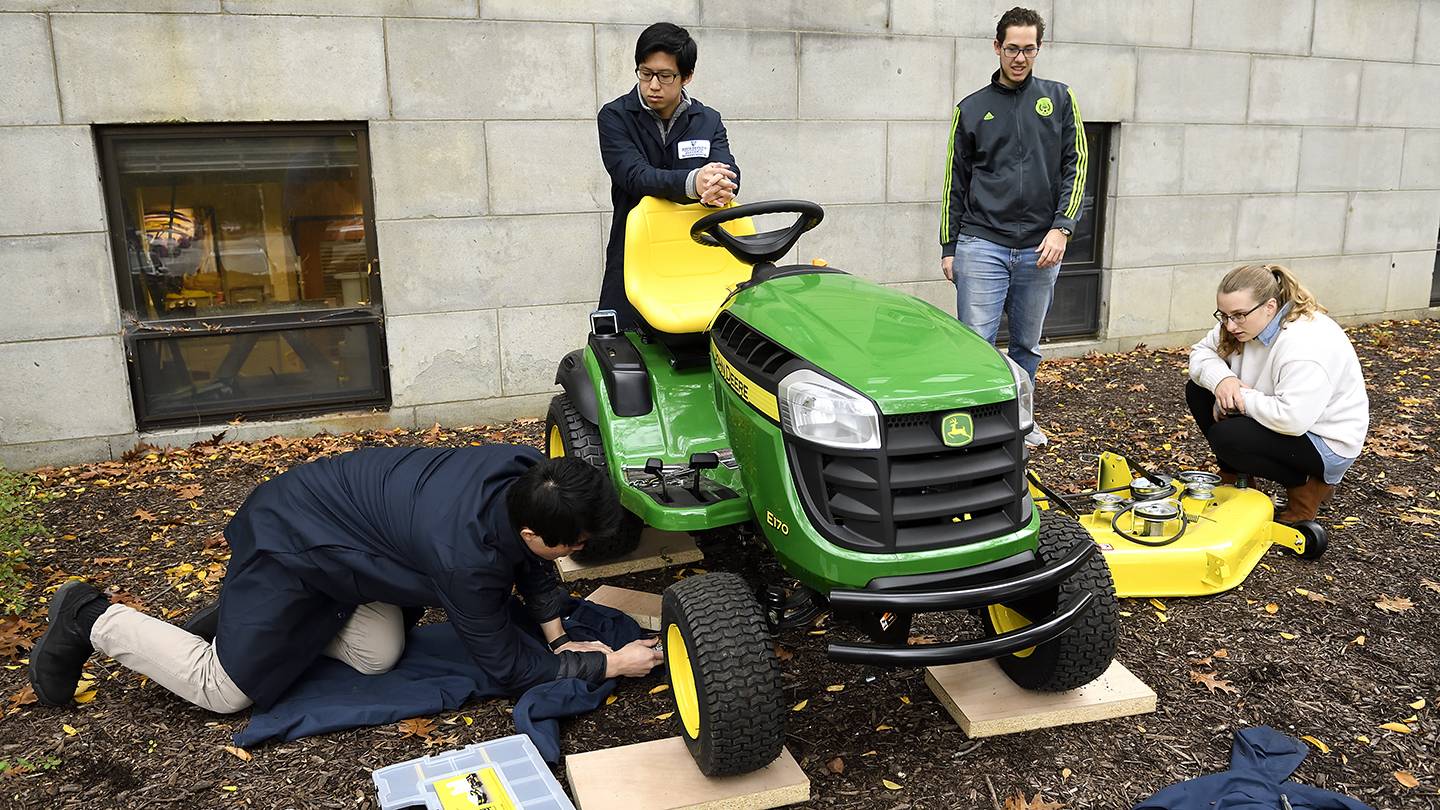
x,y
1267,281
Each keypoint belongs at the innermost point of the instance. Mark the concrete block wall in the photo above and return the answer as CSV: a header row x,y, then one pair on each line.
x,y
1298,131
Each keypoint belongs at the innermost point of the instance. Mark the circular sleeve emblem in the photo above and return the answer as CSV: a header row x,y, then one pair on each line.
x,y
1044,106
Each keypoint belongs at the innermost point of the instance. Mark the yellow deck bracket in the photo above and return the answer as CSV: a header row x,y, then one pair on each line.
x,y
1114,471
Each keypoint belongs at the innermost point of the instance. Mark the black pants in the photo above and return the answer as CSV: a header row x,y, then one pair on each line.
x,y
1243,445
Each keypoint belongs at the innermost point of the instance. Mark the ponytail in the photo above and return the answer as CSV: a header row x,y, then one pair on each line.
x,y
1266,281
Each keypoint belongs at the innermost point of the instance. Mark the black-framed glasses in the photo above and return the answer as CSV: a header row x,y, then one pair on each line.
x,y
1222,317
1012,51
646,74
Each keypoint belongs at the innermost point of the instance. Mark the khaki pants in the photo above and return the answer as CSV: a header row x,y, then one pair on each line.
x,y
370,642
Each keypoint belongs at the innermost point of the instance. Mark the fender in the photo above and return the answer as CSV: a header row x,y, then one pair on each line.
x,y
571,377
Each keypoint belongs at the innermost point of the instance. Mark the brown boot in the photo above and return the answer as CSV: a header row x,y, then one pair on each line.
x,y
1305,501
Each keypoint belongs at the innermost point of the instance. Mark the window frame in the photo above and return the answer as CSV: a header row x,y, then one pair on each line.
x,y
134,330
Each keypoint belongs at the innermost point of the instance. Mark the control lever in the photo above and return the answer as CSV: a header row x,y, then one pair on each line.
x,y
656,467
698,462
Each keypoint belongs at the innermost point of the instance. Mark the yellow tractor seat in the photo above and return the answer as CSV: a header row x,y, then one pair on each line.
x,y
676,284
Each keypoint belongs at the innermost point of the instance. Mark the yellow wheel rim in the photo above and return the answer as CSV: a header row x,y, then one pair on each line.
x,y
682,681
555,445
1005,620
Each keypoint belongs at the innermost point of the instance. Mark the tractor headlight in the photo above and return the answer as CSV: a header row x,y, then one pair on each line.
x,y
1025,392
823,411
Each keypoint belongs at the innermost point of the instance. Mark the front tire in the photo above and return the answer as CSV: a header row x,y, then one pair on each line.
x,y
724,676
1082,653
567,433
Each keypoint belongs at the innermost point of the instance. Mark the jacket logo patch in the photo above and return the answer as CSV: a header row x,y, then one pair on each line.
x,y
693,149
1044,106
989,116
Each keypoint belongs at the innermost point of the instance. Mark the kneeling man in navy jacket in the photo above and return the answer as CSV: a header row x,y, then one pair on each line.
x,y
327,559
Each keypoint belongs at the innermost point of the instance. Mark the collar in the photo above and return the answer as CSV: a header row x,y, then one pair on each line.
x,y
995,82
1272,330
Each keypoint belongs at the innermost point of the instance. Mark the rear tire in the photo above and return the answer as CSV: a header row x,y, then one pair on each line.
x,y
567,433
1082,653
724,676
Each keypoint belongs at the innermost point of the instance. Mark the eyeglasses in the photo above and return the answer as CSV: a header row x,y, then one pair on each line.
x,y
1012,51
665,76
1222,317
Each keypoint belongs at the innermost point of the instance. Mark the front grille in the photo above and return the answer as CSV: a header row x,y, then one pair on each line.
x,y
915,493
757,356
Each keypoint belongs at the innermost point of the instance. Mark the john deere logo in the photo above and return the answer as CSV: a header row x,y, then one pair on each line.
x,y
1044,106
957,429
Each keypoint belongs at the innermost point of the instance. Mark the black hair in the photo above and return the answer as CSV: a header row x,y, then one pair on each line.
x,y
671,39
562,499
1022,17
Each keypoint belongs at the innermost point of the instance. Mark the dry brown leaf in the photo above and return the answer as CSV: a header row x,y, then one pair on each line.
x,y
1398,728
189,492
421,727
1394,604
836,765
1402,492
16,635
1407,779
1431,584
24,697
1221,653
1212,682
240,753
1418,520
1272,608
922,639
1039,802
143,515
782,653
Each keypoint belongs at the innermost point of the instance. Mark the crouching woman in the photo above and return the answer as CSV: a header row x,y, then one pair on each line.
x,y
1277,389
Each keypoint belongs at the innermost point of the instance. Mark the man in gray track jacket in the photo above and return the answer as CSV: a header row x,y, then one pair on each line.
x,y
1014,183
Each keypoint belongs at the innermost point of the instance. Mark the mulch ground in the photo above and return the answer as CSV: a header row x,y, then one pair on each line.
x,y
1332,649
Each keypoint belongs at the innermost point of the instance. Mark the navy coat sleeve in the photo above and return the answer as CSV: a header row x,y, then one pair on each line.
x,y
629,168
541,589
476,601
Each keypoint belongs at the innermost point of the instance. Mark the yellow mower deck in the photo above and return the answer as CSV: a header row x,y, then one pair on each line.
x,y
1223,541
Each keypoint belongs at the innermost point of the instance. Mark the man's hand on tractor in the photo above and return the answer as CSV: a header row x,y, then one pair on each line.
x,y
584,646
715,184
1228,397
634,660
1052,248
947,266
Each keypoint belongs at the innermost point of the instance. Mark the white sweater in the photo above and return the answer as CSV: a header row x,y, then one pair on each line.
x,y
1307,381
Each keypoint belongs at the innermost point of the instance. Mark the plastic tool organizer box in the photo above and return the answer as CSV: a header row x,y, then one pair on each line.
x,y
503,774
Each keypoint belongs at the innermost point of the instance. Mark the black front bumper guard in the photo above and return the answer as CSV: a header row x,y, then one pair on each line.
x,y
960,597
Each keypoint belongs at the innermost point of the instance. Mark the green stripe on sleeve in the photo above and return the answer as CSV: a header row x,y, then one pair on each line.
x,y
1082,165
949,169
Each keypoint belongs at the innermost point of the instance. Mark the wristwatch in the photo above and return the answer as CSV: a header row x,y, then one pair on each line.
x,y
1065,231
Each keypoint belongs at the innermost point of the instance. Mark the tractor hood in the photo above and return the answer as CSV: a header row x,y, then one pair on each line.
x,y
903,353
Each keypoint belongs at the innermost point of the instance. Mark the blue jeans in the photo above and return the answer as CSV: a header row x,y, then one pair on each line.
x,y
991,279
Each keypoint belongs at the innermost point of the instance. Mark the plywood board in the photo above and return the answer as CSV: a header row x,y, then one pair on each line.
x,y
657,549
661,775
643,607
985,702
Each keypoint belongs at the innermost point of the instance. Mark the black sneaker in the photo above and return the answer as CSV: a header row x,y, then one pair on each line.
x,y
58,658
203,622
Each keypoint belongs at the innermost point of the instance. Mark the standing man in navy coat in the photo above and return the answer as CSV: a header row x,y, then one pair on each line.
x,y
657,141
325,557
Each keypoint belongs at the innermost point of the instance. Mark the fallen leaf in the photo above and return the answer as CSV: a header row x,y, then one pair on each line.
x,y
421,727
665,716
1162,617
240,753
1040,802
922,639
782,653
1398,728
883,727
1221,653
24,697
1324,749
661,688
1407,779
1402,492
905,700
840,687
836,765
1272,608
1212,682
1394,604
1431,584
800,706
1419,704
144,516
889,785
1158,605
1065,774
1288,636
1417,520
608,701
1361,738
189,492
68,729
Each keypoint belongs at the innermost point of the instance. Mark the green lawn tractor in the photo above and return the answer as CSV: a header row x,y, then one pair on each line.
x,y
876,444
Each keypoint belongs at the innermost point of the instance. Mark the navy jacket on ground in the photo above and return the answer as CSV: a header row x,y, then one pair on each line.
x,y
640,165
435,675
407,526
1260,762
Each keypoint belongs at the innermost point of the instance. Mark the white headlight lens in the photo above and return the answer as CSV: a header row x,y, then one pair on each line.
x,y
1025,392
821,410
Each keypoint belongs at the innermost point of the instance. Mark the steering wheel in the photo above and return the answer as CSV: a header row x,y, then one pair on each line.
x,y
760,247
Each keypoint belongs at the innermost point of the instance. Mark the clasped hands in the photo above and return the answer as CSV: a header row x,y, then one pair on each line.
x,y
715,183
